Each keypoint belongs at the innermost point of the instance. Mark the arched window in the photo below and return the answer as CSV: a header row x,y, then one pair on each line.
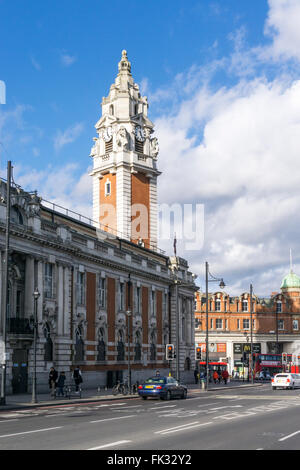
x,y
48,353
111,109
152,347
137,347
79,345
120,346
101,345
16,216
187,364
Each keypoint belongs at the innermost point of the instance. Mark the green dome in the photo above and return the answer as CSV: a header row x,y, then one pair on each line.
x,y
290,280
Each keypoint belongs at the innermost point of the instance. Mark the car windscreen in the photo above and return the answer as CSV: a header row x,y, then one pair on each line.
x,y
155,380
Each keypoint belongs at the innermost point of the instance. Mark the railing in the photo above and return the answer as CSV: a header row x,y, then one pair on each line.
x,y
19,326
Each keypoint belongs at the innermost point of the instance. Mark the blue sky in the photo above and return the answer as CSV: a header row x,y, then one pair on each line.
x,y
222,79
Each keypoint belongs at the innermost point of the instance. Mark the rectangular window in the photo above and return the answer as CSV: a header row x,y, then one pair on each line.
x,y
246,324
218,305
48,280
238,324
138,300
219,323
121,296
295,325
102,292
80,288
280,324
278,307
226,324
107,188
165,305
211,323
245,305
153,297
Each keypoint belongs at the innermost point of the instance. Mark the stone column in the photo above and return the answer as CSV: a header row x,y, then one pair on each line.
x,y
29,286
60,299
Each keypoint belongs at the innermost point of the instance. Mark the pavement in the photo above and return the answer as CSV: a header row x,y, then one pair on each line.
x,y
24,401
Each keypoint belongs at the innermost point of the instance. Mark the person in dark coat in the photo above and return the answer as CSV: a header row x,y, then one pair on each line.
x,y
53,375
61,384
196,375
77,378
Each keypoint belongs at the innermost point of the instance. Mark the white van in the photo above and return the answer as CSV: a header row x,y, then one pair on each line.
x,y
285,380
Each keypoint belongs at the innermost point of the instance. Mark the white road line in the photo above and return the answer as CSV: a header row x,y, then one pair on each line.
x,y
30,432
112,419
208,404
184,427
117,404
8,420
287,437
112,444
161,407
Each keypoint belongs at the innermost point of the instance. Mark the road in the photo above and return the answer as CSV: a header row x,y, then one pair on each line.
x,y
252,419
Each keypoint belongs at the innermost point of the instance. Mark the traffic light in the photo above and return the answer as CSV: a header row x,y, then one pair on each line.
x,y
198,353
284,358
170,352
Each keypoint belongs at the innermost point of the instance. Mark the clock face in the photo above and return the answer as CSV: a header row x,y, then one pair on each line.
x,y
107,134
139,134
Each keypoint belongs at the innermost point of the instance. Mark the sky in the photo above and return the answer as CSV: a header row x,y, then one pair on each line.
x,y
223,84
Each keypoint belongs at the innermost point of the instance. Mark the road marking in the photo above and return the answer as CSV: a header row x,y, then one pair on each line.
x,y
161,407
111,419
112,444
8,420
30,432
183,427
290,435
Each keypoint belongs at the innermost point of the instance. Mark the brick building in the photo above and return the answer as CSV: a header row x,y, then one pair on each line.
x,y
91,273
275,327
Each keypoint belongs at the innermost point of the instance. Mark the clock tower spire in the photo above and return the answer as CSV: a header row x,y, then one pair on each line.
x,y
125,163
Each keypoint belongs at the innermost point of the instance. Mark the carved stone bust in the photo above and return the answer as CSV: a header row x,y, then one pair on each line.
x,y
122,139
154,147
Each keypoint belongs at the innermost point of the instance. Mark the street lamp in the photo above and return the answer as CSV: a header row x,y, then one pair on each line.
x,y
128,314
221,285
36,296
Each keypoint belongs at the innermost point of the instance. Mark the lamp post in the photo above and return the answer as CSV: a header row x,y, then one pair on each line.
x,y
251,336
5,286
221,285
128,314
36,296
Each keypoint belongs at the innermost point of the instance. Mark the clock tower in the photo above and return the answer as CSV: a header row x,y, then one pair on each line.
x,y
125,163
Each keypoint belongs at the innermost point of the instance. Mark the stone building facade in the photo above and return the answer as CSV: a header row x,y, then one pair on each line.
x,y
90,275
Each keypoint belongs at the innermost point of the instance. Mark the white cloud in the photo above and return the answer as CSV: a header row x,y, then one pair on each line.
x,y
282,26
67,60
68,136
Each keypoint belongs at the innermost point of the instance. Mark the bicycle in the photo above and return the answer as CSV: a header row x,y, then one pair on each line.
x,y
121,388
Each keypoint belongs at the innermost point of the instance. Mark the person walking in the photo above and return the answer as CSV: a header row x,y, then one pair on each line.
x,y
225,376
215,376
77,378
61,384
196,375
52,381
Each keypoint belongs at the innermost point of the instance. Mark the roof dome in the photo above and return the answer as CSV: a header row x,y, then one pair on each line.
x,y
291,280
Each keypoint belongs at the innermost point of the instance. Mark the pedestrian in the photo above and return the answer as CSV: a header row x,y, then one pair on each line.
x,y
225,376
215,376
77,378
61,384
219,376
196,375
52,381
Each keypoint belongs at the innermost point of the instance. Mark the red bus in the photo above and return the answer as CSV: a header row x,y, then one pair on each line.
x,y
273,364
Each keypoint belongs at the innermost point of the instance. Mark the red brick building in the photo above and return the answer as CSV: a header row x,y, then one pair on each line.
x,y
275,322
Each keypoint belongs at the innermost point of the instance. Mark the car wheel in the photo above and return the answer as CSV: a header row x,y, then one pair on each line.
x,y
144,398
184,394
274,388
168,395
